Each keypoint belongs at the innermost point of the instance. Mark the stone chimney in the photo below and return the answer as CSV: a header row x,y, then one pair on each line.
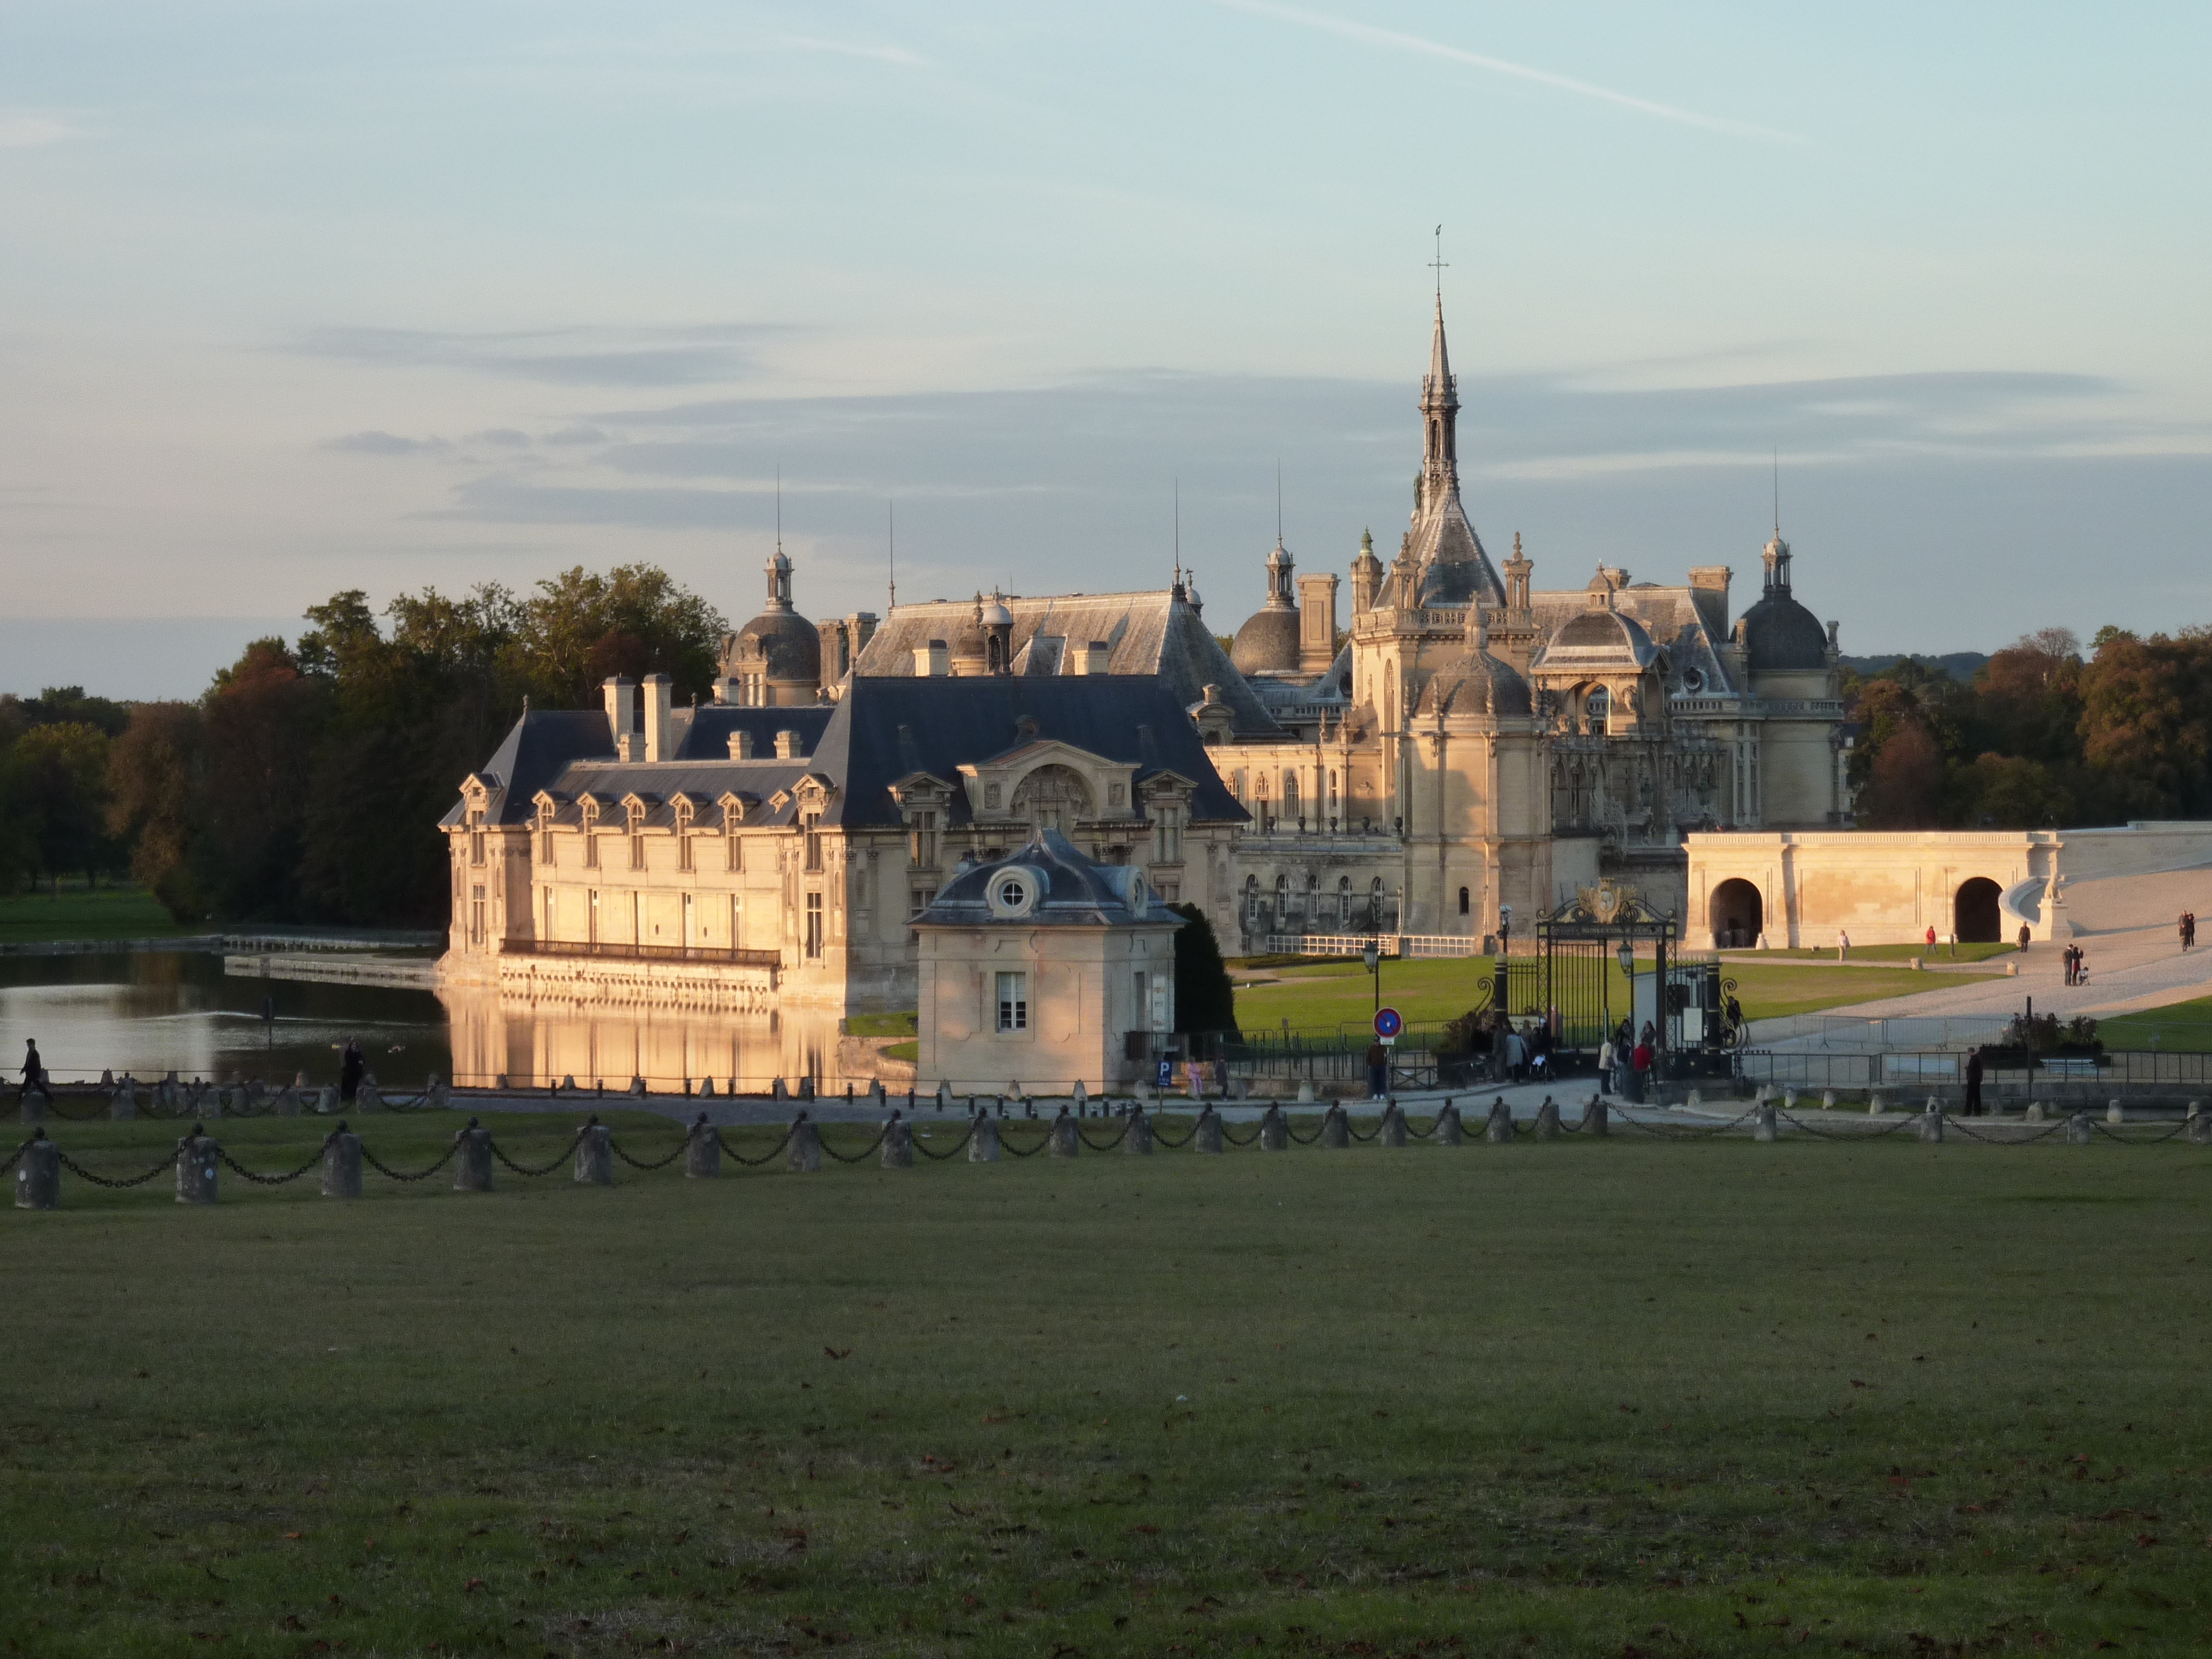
x,y
656,716
1709,592
621,711
741,745
726,690
1317,622
931,661
1088,657
787,746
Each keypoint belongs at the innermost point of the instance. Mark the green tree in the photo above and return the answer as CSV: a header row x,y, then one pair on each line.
x,y
157,804
635,620
2146,722
1205,1001
53,788
263,721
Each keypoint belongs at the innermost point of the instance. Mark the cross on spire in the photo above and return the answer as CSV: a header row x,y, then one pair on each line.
x,y
1439,265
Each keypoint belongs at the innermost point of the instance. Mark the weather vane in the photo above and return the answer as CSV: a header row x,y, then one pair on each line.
x,y
1439,265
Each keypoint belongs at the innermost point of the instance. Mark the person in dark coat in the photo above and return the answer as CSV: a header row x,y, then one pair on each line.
x,y
34,1069
1974,1083
349,1070
1379,1070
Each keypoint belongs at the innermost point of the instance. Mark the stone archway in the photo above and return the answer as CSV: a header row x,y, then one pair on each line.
x,y
1975,915
1738,915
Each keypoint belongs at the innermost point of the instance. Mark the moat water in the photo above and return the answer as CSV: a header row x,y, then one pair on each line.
x,y
150,1012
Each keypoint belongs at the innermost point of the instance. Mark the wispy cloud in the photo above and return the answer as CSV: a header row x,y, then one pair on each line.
x,y
33,131
570,357
1372,35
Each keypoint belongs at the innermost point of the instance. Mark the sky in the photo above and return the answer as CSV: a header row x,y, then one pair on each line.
x,y
302,297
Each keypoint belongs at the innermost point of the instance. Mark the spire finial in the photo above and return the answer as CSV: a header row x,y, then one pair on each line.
x,y
1178,530
890,549
1279,501
779,507
1439,266
1777,492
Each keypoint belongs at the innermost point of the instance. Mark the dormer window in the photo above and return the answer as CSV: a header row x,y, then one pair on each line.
x,y
476,835
1597,709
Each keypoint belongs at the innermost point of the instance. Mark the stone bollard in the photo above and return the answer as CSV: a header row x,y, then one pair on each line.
x,y
1827,1100
1066,1138
1139,1140
1205,1134
1081,1096
124,1102
1931,1122
1392,1132
472,1158
342,1162
207,1101
1335,1127
637,1088
1305,1092
1789,1100
2115,1113
39,1174
366,1097
983,1140
436,1095
1760,1096
326,1101
1876,1103
2200,1125
32,1109
2035,1113
706,1088
1596,1119
1499,1128
1274,1129
898,1144
1763,1127
804,1156
1697,1098
776,1090
197,1155
1548,1121
595,1154
876,1092
286,1103
1449,1131
703,1150
569,1083
2077,1129
944,1099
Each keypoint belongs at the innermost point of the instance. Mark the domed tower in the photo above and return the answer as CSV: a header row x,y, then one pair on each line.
x,y
775,659
1795,776
1777,634
1268,641
1366,574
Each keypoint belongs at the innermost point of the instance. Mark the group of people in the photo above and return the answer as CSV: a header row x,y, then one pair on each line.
x,y
1625,1060
2077,961
2188,929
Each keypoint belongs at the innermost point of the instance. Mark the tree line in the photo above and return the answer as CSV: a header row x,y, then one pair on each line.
x,y
301,785
2042,736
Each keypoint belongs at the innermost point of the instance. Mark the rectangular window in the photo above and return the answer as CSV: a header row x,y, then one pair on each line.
x,y
1013,1002
814,926
476,915
813,842
737,922
733,851
637,848
923,847
637,931
545,849
683,854
1144,1003
591,849
549,933
592,920
917,901
688,940
475,846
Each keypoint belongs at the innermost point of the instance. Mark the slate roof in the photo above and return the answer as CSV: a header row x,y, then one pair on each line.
x,y
1670,616
1078,892
1149,633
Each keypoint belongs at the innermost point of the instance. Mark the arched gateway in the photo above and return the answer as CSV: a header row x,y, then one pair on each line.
x,y
1738,915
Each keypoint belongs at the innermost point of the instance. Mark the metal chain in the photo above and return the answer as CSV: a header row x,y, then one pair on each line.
x,y
271,1179
1232,1141
1008,1146
1302,1140
928,1151
1792,1119
1687,1132
78,1170
17,1153
1355,1133
54,1105
1952,1123
391,1174
2138,1140
614,1146
862,1156
559,1158
1110,1145
1159,1140
765,1157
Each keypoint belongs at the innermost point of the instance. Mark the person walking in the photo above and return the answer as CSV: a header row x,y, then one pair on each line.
x,y
1843,945
1974,1083
1379,1070
350,1067
34,1068
1605,1066
1516,1052
2023,938
1932,936
1641,1062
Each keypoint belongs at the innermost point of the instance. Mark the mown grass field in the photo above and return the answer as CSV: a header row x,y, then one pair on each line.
x,y
75,913
1882,953
1332,992
1601,1397
2183,1027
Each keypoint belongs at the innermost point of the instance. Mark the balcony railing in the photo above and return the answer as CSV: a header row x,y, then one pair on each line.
x,y
622,952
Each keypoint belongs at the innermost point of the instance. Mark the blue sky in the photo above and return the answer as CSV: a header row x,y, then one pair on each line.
x,y
298,297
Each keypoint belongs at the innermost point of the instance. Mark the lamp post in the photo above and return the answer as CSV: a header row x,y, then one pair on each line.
x,y
1371,954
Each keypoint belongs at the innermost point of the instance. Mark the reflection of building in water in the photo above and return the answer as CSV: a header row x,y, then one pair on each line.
x,y
1468,745
541,1043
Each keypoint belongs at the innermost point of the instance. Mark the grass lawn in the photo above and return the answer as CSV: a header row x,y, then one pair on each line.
x,y
1883,953
1341,992
108,913
1603,1397
2185,1027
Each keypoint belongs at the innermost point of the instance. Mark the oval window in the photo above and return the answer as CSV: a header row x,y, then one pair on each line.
x,y
1013,893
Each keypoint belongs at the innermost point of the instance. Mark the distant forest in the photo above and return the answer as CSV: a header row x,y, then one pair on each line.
x,y
301,786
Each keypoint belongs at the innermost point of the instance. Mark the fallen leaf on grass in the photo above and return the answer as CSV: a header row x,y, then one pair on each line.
x,y
836,1353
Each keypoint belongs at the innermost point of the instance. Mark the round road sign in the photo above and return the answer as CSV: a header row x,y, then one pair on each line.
x,y
1387,1023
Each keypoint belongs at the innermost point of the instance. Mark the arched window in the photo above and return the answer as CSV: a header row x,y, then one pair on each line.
x,y
1282,895
1290,793
1597,707
1252,898
1462,901
1374,903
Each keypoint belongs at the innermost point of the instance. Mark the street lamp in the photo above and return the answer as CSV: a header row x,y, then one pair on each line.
x,y
1628,954
1505,930
1371,954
